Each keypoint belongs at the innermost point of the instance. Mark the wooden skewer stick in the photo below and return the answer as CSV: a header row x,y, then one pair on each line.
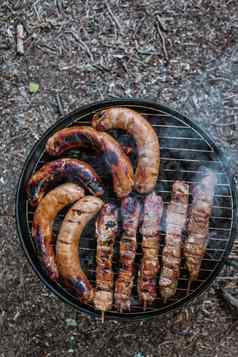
x,y
189,286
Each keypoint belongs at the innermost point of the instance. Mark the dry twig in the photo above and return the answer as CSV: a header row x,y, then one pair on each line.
x,y
59,104
162,42
113,18
20,38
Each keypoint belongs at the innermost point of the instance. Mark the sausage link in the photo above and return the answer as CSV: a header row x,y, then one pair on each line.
x,y
115,158
44,217
106,231
54,172
67,245
146,140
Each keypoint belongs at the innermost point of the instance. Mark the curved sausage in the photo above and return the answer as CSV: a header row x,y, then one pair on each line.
x,y
106,231
43,220
175,223
54,172
67,255
115,158
149,267
198,225
130,213
147,142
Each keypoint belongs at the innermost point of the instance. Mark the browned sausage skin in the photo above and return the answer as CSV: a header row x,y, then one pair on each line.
x,y
54,172
43,219
146,139
67,255
115,158
106,231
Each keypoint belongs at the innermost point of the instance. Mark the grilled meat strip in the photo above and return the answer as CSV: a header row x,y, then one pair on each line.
x,y
195,245
149,268
106,230
130,211
175,222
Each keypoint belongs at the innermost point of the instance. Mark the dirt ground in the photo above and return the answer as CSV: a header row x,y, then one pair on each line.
x,y
180,53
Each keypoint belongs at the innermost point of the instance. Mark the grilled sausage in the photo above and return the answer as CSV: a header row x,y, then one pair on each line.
x,y
54,172
146,140
67,255
149,267
130,212
115,158
106,231
175,223
43,220
195,245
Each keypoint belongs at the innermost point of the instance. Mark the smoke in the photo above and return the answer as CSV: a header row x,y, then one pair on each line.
x,y
211,100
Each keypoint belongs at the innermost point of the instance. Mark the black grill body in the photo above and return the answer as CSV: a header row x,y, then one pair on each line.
x,y
185,150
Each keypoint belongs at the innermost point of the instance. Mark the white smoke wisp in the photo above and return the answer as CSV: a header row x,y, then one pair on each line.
x,y
211,100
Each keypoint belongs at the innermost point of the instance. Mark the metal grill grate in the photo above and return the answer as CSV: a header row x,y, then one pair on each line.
x,y
184,150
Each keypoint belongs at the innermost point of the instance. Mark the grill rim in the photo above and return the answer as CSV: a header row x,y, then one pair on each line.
x,y
23,232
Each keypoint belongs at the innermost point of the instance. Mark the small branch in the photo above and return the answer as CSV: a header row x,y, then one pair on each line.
x,y
221,278
229,298
225,124
162,40
20,38
161,23
83,45
113,17
59,104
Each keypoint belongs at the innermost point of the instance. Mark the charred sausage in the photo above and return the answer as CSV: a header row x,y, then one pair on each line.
x,y
146,140
149,268
54,172
106,231
175,223
43,220
130,213
195,245
115,158
67,255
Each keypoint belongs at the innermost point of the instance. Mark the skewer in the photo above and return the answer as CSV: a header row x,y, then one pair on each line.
x,y
189,286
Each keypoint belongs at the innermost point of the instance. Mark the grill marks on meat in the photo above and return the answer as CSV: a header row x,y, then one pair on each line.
x,y
67,256
114,156
147,142
175,223
66,262
56,171
43,220
195,245
106,231
130,212
149,268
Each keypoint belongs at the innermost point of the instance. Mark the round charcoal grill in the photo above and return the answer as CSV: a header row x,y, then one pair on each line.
x,y
185,150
